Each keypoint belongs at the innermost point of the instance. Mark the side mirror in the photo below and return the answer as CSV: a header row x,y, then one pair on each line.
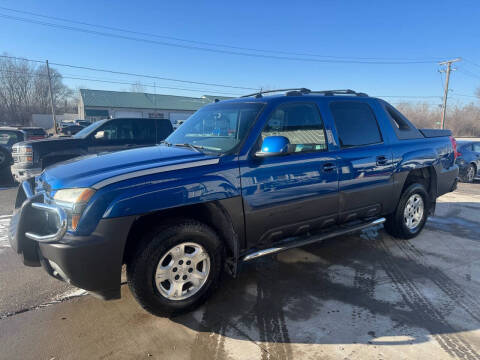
x,y
273,146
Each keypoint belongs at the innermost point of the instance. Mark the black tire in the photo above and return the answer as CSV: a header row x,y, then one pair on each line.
x,y
142,266
396,224
5,158
469,174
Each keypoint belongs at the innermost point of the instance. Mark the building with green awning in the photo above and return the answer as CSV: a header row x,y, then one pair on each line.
x,y
100,104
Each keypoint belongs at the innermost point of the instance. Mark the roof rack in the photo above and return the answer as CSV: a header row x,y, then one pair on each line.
x,y
259,93
339,92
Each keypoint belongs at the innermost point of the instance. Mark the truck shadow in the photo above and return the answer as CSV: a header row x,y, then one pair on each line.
x,y
365,289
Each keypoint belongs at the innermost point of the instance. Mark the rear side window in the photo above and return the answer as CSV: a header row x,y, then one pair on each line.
x,y
356,124
144,131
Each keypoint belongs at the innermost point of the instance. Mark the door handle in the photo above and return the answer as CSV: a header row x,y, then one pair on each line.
x,y
382,160
329,167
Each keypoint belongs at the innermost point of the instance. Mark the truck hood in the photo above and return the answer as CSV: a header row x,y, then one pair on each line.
x,y
50,144
93,169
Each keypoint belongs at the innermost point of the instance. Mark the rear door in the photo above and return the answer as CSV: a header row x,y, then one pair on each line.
x,y
288,195
365,160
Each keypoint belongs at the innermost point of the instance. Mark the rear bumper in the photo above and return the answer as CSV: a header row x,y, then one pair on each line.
x,y
92,262
447,180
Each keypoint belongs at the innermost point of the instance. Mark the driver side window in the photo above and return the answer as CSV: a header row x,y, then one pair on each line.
x,y
116,130
301,124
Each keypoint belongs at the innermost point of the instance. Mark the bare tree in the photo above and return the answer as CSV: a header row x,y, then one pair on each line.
x,y
463,120
137,87
24,90
16,82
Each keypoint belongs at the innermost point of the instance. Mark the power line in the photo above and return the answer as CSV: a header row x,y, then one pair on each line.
x,y
471,62
132,74
469,73
204,42
111,81
229,52
204,91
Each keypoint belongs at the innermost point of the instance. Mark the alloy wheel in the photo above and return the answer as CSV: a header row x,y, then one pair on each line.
x,y
182,271
413,212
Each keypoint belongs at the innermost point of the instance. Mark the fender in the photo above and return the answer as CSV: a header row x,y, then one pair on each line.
x,y
162,191
433,155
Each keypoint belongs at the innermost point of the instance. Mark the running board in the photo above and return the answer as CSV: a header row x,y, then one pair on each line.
x,y
293,243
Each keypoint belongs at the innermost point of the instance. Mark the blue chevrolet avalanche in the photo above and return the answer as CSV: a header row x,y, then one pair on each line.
x,y
240,179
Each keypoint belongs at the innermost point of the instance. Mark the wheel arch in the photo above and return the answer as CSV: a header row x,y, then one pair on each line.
x,y
427,176
221,216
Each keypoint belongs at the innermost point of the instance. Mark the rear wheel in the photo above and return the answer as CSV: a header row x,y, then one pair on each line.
x,y
469,174
177,268
411,213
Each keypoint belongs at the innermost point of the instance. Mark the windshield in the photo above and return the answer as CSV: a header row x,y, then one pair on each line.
x,y
86,131
217,128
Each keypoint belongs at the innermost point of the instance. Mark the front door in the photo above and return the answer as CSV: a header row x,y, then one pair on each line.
x,y
292,194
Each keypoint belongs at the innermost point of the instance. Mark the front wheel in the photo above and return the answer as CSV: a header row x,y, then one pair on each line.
x,y
177,268
411,213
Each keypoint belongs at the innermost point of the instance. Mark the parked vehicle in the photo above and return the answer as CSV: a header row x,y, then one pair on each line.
x,y
468,160
71,129
83,123
34,133
178,123
8,137
240,179
31,157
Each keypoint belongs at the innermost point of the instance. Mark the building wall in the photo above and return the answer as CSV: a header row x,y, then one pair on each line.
x,y
46,120
172,115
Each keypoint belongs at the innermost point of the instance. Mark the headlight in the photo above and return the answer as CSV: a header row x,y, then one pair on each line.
x,y
25,149
25,159
23,154
73,201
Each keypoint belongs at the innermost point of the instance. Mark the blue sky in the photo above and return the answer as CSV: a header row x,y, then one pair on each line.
x,y
426,30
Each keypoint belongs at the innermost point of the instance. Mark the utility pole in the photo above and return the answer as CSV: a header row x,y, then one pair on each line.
x,y
51,99
445,93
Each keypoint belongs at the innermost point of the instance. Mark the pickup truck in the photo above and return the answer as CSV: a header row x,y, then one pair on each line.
x,y
31,157
240,179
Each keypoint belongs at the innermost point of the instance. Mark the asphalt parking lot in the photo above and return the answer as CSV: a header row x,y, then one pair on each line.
x,y
364,296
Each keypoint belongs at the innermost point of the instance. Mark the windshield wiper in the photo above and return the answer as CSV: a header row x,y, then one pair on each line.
x,y
197,148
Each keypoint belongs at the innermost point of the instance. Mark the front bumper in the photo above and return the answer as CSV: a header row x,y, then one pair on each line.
x,y
92,262
23,174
